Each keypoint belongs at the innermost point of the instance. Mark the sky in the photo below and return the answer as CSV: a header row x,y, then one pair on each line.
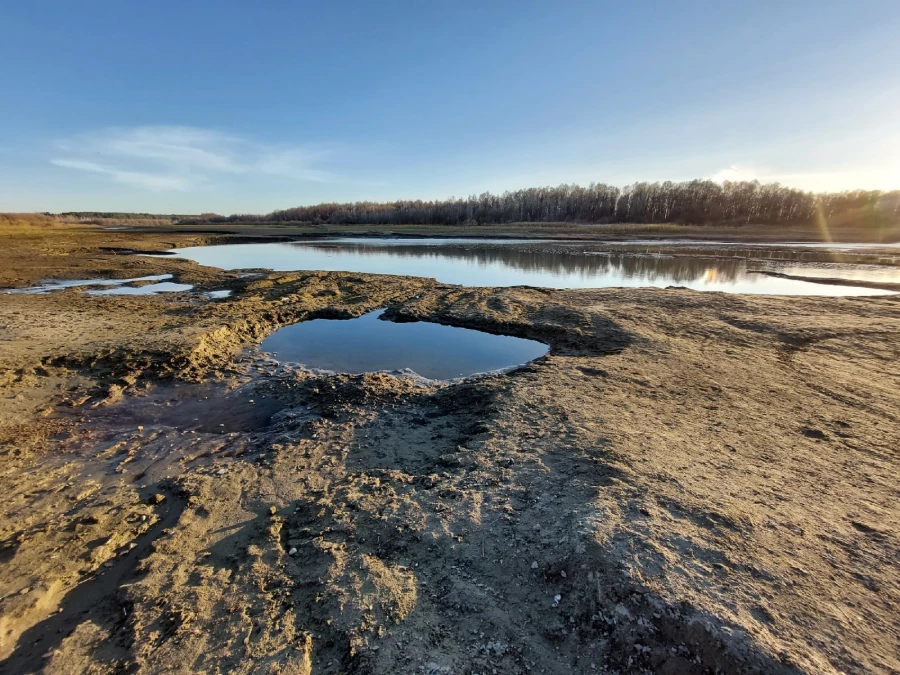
x,y
238,107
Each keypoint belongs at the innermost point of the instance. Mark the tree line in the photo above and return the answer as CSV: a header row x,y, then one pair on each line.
x,y
695,202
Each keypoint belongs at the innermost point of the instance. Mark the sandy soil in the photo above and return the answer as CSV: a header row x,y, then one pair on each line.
x,y
687,483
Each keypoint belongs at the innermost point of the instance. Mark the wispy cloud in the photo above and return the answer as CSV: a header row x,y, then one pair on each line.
x,y
174,158
150,181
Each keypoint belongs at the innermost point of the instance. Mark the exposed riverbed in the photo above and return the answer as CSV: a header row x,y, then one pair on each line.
x,y
687,482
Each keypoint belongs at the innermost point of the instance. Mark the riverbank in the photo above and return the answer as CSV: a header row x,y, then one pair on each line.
x,y
687,482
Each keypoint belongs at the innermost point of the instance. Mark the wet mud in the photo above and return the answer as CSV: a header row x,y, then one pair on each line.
x,y
686,483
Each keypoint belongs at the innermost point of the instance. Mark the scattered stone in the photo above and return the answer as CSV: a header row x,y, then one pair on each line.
x,y
534,565
293,551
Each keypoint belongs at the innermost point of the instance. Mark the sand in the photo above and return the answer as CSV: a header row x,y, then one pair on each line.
x,y
688,482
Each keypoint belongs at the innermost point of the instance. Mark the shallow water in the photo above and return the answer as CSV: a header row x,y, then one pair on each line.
x,y
149,289
552,264
116,286
368,344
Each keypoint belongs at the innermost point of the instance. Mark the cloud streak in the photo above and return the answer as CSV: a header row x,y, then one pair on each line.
x,y
177,158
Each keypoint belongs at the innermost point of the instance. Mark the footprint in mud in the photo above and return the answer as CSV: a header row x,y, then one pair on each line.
x,y
94,601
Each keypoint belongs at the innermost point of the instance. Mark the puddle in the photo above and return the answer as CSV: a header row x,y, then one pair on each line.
x,y
205,408
368,344
114,286
557,264
218,295
150,289
56,285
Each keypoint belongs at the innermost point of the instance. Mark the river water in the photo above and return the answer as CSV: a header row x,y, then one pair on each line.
x,y
713,266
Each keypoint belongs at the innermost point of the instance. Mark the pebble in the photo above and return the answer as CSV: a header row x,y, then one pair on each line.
x,y
534,565
221,472
293,551
556,600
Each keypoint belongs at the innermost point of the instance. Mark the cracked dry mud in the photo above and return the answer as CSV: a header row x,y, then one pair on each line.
x,y
687,483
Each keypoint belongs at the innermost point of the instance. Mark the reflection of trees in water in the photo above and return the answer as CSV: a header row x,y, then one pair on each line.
x,y
569,260
765,253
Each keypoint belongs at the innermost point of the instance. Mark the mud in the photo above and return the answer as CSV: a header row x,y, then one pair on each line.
x,y
832,281
687,483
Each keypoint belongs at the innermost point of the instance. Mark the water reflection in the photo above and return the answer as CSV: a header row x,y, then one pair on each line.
x,y
367,344
545,259
866,254
550,264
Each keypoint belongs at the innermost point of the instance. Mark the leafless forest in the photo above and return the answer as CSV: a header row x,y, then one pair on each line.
x,y
691,202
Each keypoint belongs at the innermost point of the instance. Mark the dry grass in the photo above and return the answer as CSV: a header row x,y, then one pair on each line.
x,y
38,219
31,224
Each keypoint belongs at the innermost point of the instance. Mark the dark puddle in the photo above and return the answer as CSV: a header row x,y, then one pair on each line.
x,y
205,408
370,344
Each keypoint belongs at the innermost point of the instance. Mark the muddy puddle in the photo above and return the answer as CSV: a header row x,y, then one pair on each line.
x,y
555,264
204,408
370,344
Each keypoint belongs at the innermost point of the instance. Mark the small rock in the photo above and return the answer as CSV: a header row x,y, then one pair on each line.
x,y
293,551
556,600
562,574
534,565
272,510
157,498
622,610
221,472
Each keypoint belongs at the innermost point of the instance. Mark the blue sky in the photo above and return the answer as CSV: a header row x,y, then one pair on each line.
x,y
233,106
